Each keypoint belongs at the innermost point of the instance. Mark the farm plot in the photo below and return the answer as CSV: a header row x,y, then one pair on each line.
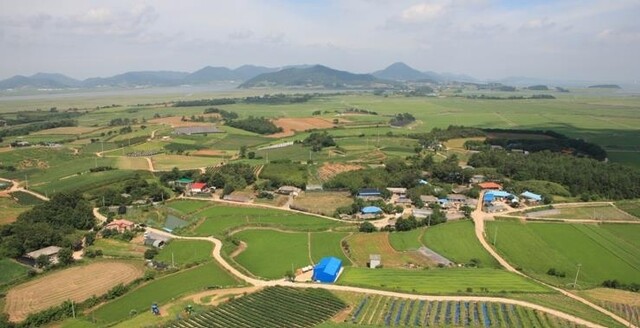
x,y
285,174
132,163
600,212
118,249
630,206
440,281
328,244
400,312
185,252
322,202
624,303
603,252
220,218
330,170
77,284
457,242
406,240
273,307
188,206
364,244
167,162
270,254
10,271
10,209
292,125
162,290
71,130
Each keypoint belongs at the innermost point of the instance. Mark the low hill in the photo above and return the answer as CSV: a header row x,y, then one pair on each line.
x,y
155,78
314,76
400,72
605,86
35,82
208,74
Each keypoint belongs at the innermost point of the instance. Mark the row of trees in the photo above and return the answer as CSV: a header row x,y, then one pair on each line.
x,y
37,126
259,125
205,102
319,140
402,119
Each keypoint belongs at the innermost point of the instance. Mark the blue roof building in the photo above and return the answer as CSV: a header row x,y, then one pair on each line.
x,y
369,192
371,210
498,193
327,270
531,196
488,198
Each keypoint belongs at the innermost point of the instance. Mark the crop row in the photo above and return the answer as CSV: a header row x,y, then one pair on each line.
x,y
271,307
629,312
397,312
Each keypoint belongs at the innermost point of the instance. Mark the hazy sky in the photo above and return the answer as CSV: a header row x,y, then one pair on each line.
x,y
573,39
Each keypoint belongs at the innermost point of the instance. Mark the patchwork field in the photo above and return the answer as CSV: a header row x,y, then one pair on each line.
x,y
165,162
457,242
220,218
71,130
364,244
602,250
440,281
162,290
76,283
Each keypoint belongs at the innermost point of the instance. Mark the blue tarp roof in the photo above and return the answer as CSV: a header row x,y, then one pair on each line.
x,y
530,195
371,210
329,265
488,197
498,193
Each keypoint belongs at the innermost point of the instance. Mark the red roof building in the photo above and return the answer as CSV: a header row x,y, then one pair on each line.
x,y
490,185
198,186
120,225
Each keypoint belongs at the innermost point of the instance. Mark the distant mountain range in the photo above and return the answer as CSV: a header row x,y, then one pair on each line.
x,y
403,72
314,76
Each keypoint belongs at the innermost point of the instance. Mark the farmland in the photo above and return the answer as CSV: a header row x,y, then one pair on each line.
x,y
406,240
322,202
363,245
631,207
11,271
601,251
440,281
272,307
184,252
398,312
187,206
77,283
10,209
600,212
220,218
457,242
162,290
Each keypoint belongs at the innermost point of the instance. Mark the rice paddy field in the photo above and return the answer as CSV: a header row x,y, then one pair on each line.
x,y
181,253
457,242
440,281
606,251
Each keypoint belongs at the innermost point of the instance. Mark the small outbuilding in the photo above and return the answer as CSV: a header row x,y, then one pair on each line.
x,y
51,252
398,191
375,260
531,197
369,193
456,198
428,199
327,270
198,187
289,190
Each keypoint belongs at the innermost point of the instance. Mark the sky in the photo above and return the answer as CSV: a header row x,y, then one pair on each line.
x,y
596,40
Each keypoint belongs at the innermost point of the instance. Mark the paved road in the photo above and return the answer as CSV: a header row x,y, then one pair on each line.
x,y
479,217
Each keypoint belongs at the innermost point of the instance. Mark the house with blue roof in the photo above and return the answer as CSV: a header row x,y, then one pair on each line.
x,y
327,270
531,197
371,210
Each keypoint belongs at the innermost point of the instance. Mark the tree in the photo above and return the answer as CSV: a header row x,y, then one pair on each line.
x,y
42,261
150,253
367,227
289,275
243,151
65,256
251,155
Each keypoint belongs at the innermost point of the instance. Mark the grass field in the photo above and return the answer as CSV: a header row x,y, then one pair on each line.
x,y
167,162
440,281
286,173
328,244
220,218
118,248
362,245
188,206
162,290
10,271
132,163
323,202
457,242
185,252
406,240
77,283
632,207
10,209
25,198
600,212
603,252
270,254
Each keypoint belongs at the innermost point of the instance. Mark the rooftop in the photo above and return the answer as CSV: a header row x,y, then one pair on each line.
x,y
48,251
490,185
371,209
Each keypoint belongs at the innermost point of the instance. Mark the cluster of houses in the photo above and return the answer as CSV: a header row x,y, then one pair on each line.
x,y
495,199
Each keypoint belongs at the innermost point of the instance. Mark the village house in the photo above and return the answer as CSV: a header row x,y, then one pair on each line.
x,y
198,187
428,199
398,191
403,201
531,198
490,186
289,190
456,198
51,252
120,225
369,194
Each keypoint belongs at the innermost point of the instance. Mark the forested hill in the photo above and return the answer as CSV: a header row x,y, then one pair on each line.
x,y
314,76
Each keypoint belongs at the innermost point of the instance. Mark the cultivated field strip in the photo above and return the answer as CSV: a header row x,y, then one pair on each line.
x,y
629,312
272,307
387,311
77,284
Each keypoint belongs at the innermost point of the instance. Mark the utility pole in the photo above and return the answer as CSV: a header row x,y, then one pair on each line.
x,y
575,281
73,309
173,263
495,237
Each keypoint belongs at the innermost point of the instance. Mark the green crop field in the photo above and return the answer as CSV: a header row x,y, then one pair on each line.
x,y
457,242
185,252
10,209
600,212
10,271
270,254
328,244
118,249
406,240
440,281
630,206
167,162
285,173
604,253
220,218
161,291
188,206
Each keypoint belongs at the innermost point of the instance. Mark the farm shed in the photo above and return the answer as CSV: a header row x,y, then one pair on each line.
x,y
189,130
371,210
375,260
422,213
155,240
184,181
490,186
289,190
51,252
456,198
369,192
403,201
499,194
198,187
120,225
531,197
327,270
428,199
398,191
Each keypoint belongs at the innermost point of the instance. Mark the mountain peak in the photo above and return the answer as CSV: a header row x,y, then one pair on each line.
x,y
400,71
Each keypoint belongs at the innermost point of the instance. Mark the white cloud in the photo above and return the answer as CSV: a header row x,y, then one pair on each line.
x,y
423,11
